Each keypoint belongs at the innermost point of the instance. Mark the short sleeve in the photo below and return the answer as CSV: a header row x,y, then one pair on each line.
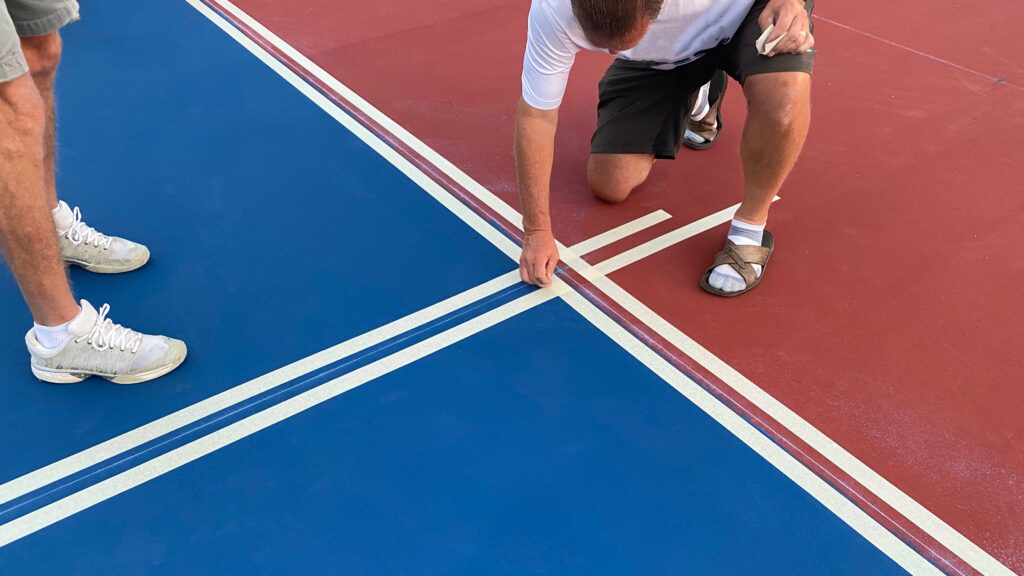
x,y
549,57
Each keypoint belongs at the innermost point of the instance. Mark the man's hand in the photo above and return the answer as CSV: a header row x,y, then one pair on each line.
x,y
790,18
540,255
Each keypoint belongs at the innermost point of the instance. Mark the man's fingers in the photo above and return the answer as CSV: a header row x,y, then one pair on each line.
x,y
522,272
793,22
540,275
549,269
808,43
783,22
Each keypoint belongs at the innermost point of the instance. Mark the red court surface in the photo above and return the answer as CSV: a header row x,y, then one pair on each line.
x,y
890,319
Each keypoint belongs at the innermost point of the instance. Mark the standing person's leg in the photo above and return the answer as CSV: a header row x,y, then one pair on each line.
x,y
778,91
68,343
43,55
26,225
778,118
38,22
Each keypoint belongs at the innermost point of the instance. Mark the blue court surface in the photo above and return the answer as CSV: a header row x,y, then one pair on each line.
x,y
530,444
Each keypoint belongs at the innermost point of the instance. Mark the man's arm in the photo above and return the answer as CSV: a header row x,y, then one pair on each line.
x,y
535,153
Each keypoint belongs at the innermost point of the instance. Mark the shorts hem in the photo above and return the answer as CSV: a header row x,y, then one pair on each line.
x,y
12,66
49,24
805,67
659,154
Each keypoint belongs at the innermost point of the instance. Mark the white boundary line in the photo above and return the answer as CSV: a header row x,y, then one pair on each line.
x,y
818,488
101,491
121,482
885,490
132,439
89,457
612,236
810,482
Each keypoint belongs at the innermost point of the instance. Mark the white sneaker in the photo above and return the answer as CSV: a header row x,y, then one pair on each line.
x,y
98,347
83,246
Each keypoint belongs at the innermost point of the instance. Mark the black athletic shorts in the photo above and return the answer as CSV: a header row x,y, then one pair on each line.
x,y
643,110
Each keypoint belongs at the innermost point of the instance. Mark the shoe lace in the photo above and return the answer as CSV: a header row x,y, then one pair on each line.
x,y
81,232
105,335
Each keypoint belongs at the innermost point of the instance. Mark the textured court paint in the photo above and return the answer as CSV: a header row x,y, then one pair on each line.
x,y
259,210
538,446
981,35
899,352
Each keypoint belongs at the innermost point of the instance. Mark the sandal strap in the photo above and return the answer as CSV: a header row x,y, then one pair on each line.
x,y
741,258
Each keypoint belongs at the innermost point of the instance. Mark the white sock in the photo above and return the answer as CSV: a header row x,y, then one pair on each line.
x,y
724,277
52,336
62,216
701,105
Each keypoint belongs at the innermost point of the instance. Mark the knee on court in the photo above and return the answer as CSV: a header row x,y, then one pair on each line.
x,y
42,53
611,192
613,181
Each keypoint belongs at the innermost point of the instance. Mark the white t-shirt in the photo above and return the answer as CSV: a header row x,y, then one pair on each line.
x,y
681,33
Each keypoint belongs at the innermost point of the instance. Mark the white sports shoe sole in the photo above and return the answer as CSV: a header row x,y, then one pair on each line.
x,y
109,269
70,377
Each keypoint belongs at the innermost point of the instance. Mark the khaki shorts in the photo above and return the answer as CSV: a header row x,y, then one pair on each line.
x,y
20,18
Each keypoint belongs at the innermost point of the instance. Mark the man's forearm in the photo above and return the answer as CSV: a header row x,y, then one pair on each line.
x,y
535,153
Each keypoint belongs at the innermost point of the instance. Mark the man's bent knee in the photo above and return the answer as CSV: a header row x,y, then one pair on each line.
x,y
42,54
610,194
613,178
778,97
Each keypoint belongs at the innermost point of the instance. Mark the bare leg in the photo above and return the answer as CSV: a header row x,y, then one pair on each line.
x,y
777,120
26,226
612,177
779,114
43,56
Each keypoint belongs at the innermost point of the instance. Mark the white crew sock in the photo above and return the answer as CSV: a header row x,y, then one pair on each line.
x,y
62,216
724,277
52,336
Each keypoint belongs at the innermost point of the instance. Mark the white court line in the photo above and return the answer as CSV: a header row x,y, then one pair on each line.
x,y
106,489
885,490
612,236
810,482
134,438
662,242
782,460
97,493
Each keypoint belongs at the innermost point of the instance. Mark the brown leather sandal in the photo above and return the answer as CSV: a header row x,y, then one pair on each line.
x,y
710,125
741,259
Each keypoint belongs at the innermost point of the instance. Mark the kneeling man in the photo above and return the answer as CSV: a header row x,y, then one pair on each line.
x,y
665,51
